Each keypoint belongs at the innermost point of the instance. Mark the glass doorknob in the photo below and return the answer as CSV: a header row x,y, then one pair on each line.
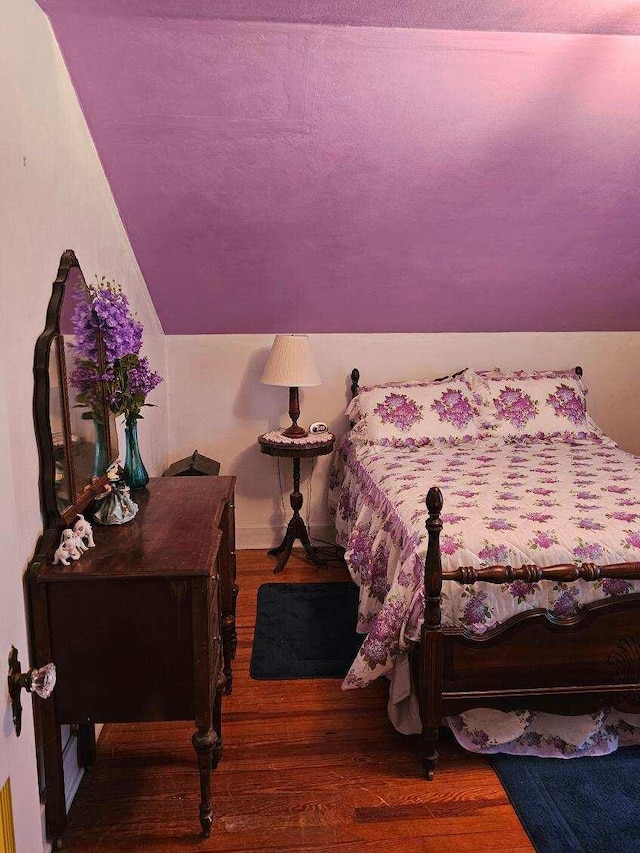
x,y
43,680
39,681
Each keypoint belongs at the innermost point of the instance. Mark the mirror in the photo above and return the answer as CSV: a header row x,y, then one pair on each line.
x,y
92,446
62,472
75,431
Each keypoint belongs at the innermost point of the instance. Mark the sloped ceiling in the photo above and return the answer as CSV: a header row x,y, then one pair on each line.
x,y
545,16
431,166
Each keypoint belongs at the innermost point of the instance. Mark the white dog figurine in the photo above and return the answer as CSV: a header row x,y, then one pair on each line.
x,y
61,556
83,530
79,543
70,542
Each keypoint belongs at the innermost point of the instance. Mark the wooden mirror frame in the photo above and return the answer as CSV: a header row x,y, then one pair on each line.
x,y
51,336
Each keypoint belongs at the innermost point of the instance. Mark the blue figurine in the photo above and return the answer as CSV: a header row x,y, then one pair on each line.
x,y
114,503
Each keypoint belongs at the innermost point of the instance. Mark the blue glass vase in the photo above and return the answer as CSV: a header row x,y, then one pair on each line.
x,y
135,474
100,459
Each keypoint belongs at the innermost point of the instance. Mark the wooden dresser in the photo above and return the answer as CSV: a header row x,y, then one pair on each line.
x,y
141,628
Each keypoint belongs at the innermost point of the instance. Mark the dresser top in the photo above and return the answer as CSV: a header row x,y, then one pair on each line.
x,y
174,534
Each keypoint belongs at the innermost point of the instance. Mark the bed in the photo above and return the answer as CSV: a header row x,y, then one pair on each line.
x,y
521,591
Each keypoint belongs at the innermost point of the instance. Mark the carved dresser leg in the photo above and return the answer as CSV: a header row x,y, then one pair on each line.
x,y
204,741
87,746
227,629
234,632
217,720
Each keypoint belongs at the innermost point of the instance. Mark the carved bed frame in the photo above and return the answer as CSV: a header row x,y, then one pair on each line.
x,y
535,659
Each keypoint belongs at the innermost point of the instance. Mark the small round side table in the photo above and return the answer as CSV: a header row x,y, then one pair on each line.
x,y
296,449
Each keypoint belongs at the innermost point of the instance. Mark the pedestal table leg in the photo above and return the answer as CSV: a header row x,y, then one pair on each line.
x,y
296,529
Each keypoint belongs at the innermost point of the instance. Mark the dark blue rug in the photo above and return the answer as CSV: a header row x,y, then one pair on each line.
x,y
305,630
579,805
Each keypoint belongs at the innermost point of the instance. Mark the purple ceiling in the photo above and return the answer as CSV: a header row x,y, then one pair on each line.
x,y
550,16
294,177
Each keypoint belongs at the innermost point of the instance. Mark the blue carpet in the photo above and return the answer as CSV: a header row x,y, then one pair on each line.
x,y
580,805
305,630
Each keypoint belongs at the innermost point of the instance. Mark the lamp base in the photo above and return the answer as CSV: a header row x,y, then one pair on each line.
x,y
295,431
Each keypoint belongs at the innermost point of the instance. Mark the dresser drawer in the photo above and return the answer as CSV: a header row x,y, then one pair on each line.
x,y
134,659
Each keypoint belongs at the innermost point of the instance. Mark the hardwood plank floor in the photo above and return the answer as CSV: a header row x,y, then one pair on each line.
x,y
306,767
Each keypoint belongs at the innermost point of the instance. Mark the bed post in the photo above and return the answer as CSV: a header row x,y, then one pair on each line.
x,y
355,388
431,647
355,379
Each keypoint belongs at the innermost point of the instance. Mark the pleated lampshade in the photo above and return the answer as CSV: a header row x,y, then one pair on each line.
x,y
291,363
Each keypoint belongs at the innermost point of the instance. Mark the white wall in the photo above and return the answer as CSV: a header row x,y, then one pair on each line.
x,y
54,197
219,407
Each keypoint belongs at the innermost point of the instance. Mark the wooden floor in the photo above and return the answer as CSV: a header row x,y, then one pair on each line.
x,y
306,767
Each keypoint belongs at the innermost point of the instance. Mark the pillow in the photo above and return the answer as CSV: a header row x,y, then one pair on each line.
x,y
353,410
499,373
414,414
533,405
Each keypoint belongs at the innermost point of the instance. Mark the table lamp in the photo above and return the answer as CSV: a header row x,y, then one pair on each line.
x,y
291,364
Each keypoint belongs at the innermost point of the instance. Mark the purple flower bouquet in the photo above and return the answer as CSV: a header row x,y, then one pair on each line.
x,y
127,379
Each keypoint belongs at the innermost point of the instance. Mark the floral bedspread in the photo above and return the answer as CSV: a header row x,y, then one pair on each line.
x,y
542,503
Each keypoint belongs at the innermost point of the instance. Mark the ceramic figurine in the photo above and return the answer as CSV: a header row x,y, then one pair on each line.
x,y
70,542
83,530
61,555
67,549
114,504
79,543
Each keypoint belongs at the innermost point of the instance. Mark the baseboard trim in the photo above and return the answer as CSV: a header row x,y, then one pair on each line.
x,y
46,844
263,537
73,773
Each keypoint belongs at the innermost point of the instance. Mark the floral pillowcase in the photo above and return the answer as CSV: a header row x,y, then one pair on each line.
x,y
414,414
540,406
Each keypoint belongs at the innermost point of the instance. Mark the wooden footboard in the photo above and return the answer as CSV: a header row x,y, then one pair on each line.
x,y
535,660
